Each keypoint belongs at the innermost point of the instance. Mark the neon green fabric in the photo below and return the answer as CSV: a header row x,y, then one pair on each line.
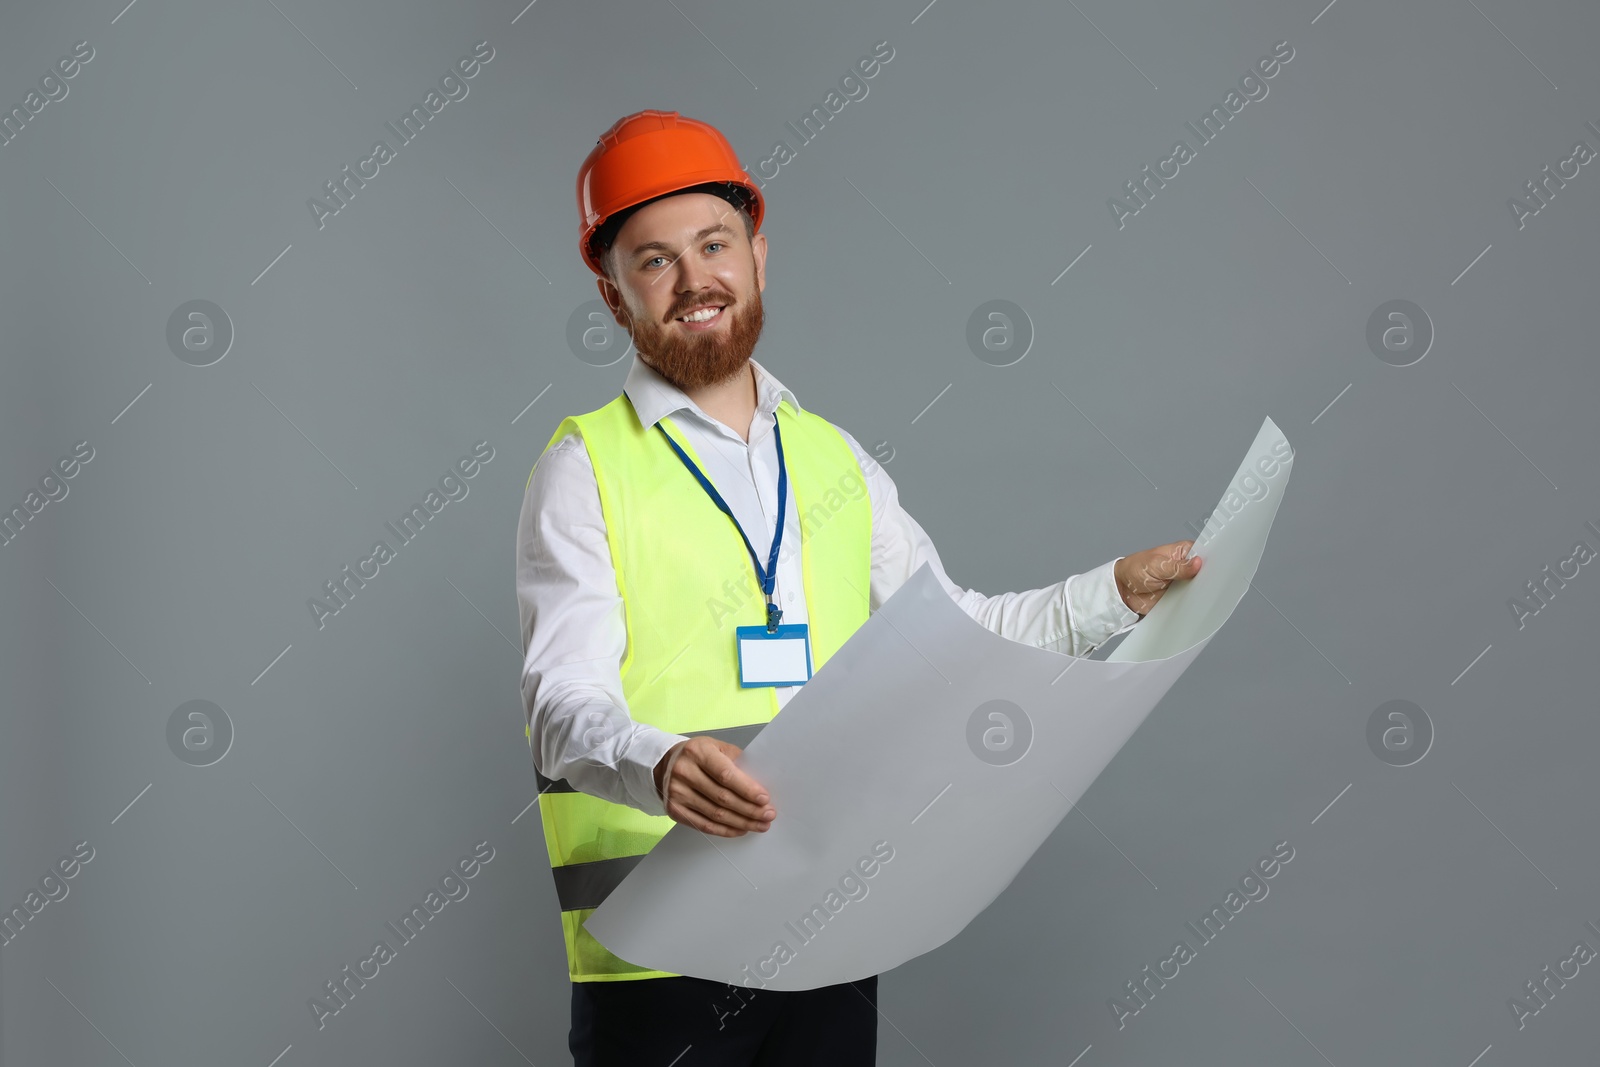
x,y
686,580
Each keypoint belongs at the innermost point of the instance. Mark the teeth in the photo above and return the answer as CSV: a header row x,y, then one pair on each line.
x,y
701,315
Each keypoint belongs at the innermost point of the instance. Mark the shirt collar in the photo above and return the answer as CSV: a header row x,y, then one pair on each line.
x,y
653,397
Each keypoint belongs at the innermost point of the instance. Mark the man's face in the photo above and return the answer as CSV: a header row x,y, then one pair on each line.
x,y
677,255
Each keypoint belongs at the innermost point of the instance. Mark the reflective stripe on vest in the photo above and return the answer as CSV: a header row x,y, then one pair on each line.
x,y
686,581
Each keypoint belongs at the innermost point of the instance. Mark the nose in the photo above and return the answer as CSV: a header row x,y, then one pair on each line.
x,y
693,276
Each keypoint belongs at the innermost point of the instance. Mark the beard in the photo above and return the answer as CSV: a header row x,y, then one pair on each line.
x,y
692,360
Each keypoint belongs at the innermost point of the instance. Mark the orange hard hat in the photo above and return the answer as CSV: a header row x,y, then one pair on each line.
x,y
651,154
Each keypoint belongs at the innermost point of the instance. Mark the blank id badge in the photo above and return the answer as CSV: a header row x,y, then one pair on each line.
x,y
782,657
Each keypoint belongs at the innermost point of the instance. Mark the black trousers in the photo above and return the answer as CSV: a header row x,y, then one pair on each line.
x,y
691,1022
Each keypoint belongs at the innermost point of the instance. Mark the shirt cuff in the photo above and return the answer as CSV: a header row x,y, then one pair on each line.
x,y
639,766
1098,609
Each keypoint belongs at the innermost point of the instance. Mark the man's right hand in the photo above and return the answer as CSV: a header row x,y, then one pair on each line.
x,y
709,793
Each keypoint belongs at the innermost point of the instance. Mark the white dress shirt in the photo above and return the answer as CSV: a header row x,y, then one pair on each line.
x,y
573,633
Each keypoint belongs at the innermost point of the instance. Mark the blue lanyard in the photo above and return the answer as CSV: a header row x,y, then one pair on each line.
x,y
770,575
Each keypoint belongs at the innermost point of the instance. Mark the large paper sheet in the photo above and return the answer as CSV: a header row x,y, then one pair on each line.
x,y
917,771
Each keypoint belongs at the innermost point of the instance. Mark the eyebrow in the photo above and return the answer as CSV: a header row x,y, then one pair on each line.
x,y
720,227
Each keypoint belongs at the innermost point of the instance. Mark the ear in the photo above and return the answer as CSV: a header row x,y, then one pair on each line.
x,y
612,297
758,248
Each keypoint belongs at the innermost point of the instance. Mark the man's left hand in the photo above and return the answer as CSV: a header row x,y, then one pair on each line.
x,y
1144,576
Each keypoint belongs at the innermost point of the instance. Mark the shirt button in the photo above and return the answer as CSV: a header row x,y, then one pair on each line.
x,y
791,597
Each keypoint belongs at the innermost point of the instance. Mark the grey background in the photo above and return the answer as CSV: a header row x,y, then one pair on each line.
x,y
422,318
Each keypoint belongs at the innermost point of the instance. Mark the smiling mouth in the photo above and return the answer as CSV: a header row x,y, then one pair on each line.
x,y
704,314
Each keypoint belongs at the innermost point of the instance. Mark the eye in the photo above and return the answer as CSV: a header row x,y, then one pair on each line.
x,y
716,244
652,259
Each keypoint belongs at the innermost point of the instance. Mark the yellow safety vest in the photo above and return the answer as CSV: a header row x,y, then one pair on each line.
x,y
677,556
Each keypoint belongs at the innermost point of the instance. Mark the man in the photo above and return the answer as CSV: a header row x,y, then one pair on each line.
x,y
668,533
